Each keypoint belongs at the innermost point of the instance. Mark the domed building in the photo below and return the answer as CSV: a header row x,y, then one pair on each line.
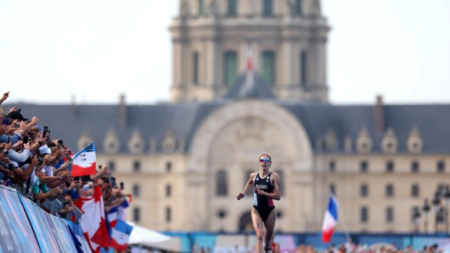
x,y
249,77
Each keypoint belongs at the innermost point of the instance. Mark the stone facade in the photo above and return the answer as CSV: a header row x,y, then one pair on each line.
x,y
202,36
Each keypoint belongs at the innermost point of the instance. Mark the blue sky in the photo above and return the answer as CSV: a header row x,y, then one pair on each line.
x,y
96,50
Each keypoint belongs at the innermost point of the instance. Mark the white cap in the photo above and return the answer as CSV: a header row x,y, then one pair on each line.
x,y
45,150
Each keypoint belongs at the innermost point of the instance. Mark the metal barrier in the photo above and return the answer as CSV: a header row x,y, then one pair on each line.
x,y
25,227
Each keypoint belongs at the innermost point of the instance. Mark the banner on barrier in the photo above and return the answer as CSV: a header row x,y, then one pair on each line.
x,y
40,226
16,234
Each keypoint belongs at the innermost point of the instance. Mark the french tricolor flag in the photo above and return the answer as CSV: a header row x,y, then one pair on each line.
x,y
330,219
84,162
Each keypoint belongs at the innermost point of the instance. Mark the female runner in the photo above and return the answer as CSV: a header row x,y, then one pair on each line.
x,y
267,188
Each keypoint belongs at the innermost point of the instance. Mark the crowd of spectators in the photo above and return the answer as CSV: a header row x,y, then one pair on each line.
x,y
38,165
350,247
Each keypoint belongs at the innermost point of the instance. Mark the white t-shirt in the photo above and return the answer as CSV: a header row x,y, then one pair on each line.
x,y
48,170
33,177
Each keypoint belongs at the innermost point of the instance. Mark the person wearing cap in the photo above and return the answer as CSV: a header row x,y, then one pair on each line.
x,y
26,152
16,117
46,175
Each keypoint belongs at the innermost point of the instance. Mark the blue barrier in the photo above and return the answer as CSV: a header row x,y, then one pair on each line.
x,y
25,227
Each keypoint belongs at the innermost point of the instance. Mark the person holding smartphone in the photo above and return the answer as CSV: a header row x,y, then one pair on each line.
x,y
267,188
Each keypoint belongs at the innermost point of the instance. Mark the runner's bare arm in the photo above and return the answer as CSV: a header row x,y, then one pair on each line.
x,y
247,185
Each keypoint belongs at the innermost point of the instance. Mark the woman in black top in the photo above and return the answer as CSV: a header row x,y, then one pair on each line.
x,y
267,188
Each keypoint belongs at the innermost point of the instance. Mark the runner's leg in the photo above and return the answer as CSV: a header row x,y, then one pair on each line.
x,y
258,226
269,226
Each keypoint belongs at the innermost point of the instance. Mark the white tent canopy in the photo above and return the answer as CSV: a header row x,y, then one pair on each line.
x,y
149,238
142,236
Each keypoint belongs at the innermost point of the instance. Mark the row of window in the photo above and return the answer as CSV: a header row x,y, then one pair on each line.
x,y
137,166
389,190
363,214
389,214
222,182
137,214
137,191
267,7
415,166
268,67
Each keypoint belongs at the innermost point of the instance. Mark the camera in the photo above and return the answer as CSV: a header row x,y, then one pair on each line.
x,y
40,160
76,179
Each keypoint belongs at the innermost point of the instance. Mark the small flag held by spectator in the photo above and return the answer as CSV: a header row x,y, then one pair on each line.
x,y
120,235
84,162
330,219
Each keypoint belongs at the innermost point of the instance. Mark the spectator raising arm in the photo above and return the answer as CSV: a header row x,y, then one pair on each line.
x,y
100,174
4,97
24,175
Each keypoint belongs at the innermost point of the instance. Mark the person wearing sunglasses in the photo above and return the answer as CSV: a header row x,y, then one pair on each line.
x,y
267,188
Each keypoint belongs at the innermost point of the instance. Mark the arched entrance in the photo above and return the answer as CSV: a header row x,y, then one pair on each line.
x,y
245,222
231,139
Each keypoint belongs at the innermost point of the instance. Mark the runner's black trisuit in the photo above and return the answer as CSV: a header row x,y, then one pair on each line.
x,y
263,204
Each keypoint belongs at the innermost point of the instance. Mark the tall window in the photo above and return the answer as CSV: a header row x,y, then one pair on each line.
x,y
303,68
364,166
414,210
195,67
232,8
136,190
231,67
136,214
441,166
389,190
201,7
168,167
364,214
111,166
299,7
364,191
390,166
333,189
268,67
221,183
168,214
332,166
267,8
389,214
246,177
415,191
168,190
137,166
415,167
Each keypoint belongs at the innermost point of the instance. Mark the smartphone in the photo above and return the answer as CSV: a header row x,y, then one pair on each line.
x,y
44,132
121,185
76,179
17,125
25,139
60,142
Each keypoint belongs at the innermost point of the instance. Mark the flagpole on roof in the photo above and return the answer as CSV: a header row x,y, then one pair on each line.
x,y
347,234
